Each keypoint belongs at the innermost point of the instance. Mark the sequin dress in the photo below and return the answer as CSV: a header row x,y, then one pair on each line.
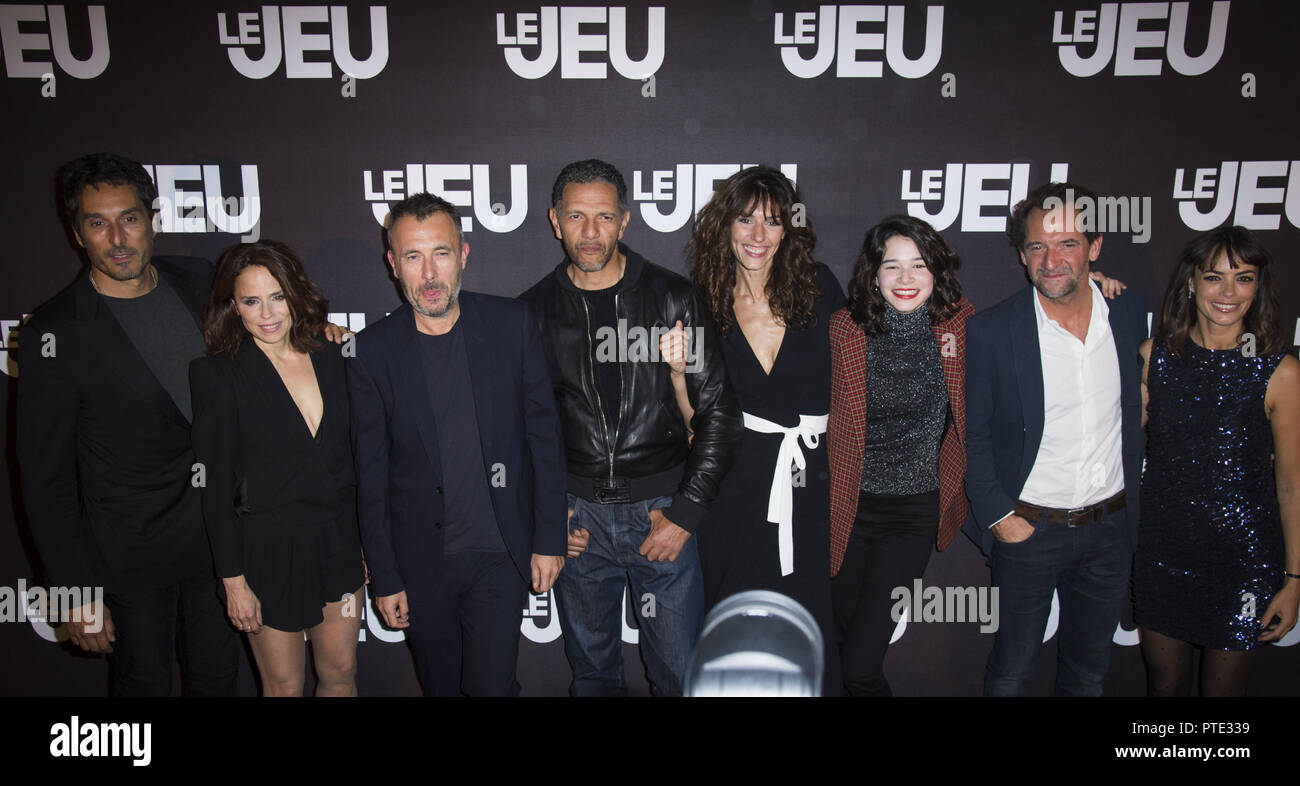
x,y
1210,553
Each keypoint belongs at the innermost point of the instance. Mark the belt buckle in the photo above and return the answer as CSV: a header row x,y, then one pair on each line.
x,y
1073,512
618,491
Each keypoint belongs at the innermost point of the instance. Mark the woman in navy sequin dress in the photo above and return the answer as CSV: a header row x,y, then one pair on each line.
x,y
1218,559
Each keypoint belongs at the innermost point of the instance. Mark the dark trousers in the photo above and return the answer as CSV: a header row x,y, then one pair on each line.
x,y
147,624
1088,568
889,547
465,625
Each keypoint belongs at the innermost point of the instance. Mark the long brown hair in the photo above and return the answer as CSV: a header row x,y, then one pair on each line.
x,y
223,330
792,289
1178,313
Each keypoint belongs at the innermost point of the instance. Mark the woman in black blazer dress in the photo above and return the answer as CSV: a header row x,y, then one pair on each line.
x,y
279,492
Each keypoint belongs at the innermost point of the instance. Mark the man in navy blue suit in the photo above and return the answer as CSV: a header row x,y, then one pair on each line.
x,y
459,460
1053,447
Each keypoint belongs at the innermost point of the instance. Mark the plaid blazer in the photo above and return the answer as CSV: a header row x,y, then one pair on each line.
x,y
849,416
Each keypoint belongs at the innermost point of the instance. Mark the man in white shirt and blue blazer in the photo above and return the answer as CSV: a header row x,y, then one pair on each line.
x,y
1054,447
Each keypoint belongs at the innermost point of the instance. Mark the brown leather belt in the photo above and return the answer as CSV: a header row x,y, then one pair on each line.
x,y
1074,517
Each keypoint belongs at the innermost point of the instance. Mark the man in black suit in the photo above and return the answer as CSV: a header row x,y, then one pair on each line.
x,y
103,436
460,463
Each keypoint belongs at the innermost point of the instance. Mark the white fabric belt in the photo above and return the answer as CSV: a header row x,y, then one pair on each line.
x,y
780,500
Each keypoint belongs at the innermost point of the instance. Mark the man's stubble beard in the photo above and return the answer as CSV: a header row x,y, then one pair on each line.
x,y
449,304
1072,287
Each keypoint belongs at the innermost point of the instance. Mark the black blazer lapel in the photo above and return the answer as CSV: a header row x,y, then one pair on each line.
x,y
183,284
266,379
1028,360
110,343
1126,348
333,383
481,353
1127,328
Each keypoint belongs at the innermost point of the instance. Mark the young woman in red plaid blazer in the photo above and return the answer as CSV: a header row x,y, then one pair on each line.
x,y
902,339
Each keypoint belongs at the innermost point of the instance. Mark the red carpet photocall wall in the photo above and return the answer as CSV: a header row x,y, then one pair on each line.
x,y
303,123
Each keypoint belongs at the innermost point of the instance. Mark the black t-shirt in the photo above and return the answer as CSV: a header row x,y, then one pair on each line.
x,y
606,353
469,522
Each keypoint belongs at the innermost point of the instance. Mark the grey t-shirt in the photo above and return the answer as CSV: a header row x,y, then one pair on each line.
x,y
163,331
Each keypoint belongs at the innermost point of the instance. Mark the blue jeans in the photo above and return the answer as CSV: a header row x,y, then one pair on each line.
x,y
1088,567
668,597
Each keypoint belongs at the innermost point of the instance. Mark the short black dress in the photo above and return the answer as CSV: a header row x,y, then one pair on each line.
x,y
279,502
1210,552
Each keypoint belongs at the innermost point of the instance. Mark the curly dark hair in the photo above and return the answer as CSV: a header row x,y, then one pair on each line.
x,y
867,304
223,330
1242,246
792,288
103,169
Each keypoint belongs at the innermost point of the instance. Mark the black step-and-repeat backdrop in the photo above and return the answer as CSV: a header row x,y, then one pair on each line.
x,y
304,122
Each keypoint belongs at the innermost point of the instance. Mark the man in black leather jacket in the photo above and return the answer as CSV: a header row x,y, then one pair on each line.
x,y
638,485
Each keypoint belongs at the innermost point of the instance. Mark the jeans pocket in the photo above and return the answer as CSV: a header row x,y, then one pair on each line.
x,y
657,503
1038,527
574,502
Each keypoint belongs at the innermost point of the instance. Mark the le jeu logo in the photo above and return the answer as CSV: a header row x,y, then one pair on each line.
x,y
284,35
392,185
555,34
191,199
960,190
1120,30
1236,184
30,33
836,31
686,188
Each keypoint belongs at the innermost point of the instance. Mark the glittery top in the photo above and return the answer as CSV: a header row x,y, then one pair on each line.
x,y
907,406
1207,428
1210,551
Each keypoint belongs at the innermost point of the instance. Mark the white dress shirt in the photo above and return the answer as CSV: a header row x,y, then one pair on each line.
x,y
1079,460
